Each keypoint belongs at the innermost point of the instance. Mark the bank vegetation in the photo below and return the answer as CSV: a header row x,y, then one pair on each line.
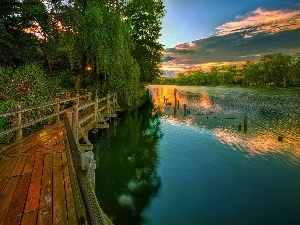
x,y
272,70
108,45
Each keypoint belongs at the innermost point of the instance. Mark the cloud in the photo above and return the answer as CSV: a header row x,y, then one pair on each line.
x,y
262,21
249,37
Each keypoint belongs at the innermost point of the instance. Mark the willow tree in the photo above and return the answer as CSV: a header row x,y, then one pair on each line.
x,y
145,18
99,46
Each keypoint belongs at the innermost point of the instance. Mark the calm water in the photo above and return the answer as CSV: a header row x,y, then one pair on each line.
x,y
159,166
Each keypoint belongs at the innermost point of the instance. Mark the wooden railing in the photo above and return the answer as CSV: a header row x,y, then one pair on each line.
x,y
102,107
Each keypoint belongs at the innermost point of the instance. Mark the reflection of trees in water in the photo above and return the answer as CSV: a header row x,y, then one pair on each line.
x,y
126,178
272,114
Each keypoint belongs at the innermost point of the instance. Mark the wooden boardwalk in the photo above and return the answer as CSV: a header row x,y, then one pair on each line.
x,y
38,183
48,177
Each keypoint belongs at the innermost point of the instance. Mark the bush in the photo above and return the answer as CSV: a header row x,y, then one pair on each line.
x,y
27,85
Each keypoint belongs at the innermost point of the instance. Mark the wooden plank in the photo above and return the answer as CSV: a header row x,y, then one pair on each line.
x,y
45,209
3,182
24,145
33,196
46,137
19,166
9,167
31,144
6,197
29,164
69,193
59,201
35,149
3,163
15,211
30,218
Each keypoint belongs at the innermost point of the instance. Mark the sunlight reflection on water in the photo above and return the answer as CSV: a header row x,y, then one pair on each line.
x,y
271,114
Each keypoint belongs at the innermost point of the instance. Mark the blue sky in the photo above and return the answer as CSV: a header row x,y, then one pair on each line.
x,y
188,20
202,34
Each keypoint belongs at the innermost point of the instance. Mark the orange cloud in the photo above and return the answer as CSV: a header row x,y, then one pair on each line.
x,y
262,21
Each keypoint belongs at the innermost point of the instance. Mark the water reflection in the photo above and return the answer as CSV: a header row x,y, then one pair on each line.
x,y
126,175
205,101
273,122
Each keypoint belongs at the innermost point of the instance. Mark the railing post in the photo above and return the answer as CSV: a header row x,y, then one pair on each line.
x,y
18,119
96,107
89,96
57,109
115,99
108,104
68,94
75,120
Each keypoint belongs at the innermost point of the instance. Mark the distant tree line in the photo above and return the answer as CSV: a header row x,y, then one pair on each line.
x,y
215,77
109,45
272,70
275,70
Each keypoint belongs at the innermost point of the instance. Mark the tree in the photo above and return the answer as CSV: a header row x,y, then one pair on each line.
x,y
93,42
99,46
275,68
294,71
18,45
144,17
253,74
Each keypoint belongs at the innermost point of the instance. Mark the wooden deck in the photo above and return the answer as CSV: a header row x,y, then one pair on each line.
x,y
38,184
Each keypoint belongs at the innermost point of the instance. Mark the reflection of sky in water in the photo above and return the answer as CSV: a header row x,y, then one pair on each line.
x,y
271,113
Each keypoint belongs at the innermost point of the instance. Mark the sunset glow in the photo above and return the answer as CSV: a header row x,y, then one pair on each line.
x,y
244,31
262,21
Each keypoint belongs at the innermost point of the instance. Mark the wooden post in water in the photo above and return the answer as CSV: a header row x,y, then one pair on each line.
x,y
240,127
246,121
177,104
175,92
246,124
57,109
280,137
184,110
18,118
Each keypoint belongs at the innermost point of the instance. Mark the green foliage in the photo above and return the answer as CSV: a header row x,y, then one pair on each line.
x,y
294,71
115,39
25,86
16,46
215,77
274,69
253,75
144,18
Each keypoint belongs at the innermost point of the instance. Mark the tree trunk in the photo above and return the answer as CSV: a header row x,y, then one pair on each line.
x,y
47,60
81,72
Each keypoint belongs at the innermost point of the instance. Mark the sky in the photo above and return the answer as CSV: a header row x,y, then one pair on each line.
x,y
200,34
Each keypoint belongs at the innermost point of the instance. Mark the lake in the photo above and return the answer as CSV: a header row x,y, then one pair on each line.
x,y
232,157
